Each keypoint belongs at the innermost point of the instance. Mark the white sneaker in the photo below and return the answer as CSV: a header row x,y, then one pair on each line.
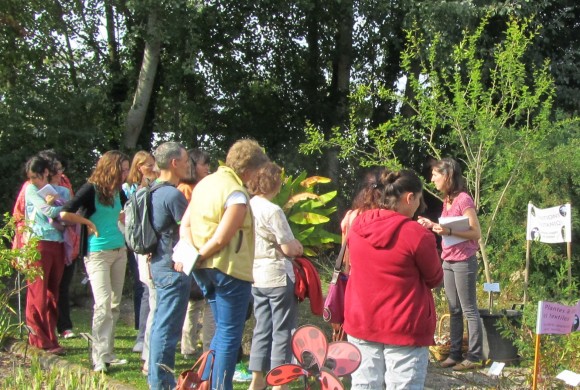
x,y
67,334
100,367
116,362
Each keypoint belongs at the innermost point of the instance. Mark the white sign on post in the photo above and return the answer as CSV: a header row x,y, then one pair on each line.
x,y
491,287
551,225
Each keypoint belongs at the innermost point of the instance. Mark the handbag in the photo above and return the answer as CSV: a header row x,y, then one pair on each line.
x,y
191,379
334,303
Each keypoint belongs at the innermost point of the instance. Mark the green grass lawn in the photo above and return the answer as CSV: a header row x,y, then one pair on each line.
x,y
77,351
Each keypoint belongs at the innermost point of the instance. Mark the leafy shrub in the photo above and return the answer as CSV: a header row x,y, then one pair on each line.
x,y
23,260
308,212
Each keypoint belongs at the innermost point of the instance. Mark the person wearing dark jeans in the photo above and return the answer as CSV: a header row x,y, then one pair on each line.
x,y
140,302
137,286
64,323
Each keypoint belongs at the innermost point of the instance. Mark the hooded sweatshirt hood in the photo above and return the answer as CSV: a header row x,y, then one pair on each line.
x,y
366,225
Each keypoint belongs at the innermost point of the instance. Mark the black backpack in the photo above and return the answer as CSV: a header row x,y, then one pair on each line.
x,y
140,235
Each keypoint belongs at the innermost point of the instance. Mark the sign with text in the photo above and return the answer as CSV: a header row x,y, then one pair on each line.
x,y
554,318
551,225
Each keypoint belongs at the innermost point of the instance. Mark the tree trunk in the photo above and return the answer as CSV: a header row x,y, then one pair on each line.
x,y
136,115
341,81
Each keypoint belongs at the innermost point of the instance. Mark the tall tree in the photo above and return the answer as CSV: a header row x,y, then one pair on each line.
x,y
151,54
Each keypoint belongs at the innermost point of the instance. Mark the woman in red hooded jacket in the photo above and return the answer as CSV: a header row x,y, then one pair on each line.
x,y
389,309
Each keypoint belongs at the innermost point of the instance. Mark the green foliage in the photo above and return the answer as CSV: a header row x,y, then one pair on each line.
x,y
22,260
58,378
308,211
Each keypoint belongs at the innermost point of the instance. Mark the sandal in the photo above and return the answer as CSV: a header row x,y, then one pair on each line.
x,y
448,363
467,365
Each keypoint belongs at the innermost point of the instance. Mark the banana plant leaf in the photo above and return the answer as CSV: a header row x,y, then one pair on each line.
x,y
304,218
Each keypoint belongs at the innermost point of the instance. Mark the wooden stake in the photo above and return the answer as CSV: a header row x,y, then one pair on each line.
x,y
527,271
536,363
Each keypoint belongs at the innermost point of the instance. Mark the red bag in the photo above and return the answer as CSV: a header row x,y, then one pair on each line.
x,y
191,379
334,303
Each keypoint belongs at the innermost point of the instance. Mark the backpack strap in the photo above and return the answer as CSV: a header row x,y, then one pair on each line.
x,y
150,190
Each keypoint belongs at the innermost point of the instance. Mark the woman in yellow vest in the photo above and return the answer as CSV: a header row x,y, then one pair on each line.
x,y
219,224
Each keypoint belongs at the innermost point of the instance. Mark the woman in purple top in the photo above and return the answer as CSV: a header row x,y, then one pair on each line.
x,y
459,264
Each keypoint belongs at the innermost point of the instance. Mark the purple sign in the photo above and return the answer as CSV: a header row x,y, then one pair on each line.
x,y
554,318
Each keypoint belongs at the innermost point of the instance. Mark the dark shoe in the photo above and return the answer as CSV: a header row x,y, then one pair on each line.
x,y
467,365
448,363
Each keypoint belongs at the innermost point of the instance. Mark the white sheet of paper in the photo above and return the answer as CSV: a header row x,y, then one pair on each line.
x,y
46,190
571,378
457,224
496,368
491,287
185,253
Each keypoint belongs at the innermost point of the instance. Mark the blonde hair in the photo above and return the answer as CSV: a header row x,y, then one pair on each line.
x,y
108,175
135,176
246,154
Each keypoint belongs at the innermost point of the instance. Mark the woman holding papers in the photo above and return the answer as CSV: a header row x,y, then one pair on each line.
x,y
275,305
460,230
42,293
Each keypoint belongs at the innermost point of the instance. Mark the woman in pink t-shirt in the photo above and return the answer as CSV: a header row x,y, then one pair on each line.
x,y
459,263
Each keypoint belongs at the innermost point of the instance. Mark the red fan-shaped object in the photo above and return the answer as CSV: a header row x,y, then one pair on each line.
x,y
319,361
328,381
285,373
342,358
309,346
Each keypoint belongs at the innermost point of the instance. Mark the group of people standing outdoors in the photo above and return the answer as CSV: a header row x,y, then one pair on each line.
x,y
246,248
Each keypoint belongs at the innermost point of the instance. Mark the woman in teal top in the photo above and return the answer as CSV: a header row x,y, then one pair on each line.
x,y
101,201
42,293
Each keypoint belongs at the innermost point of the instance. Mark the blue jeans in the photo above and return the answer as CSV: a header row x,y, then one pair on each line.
x,y
172,290
390,367
460,278
228,298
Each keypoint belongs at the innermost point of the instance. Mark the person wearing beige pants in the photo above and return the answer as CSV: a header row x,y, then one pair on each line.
x,y
106,270
102,203
189,335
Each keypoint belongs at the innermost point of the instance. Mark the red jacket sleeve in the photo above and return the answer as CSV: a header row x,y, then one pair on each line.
x,y
428,262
